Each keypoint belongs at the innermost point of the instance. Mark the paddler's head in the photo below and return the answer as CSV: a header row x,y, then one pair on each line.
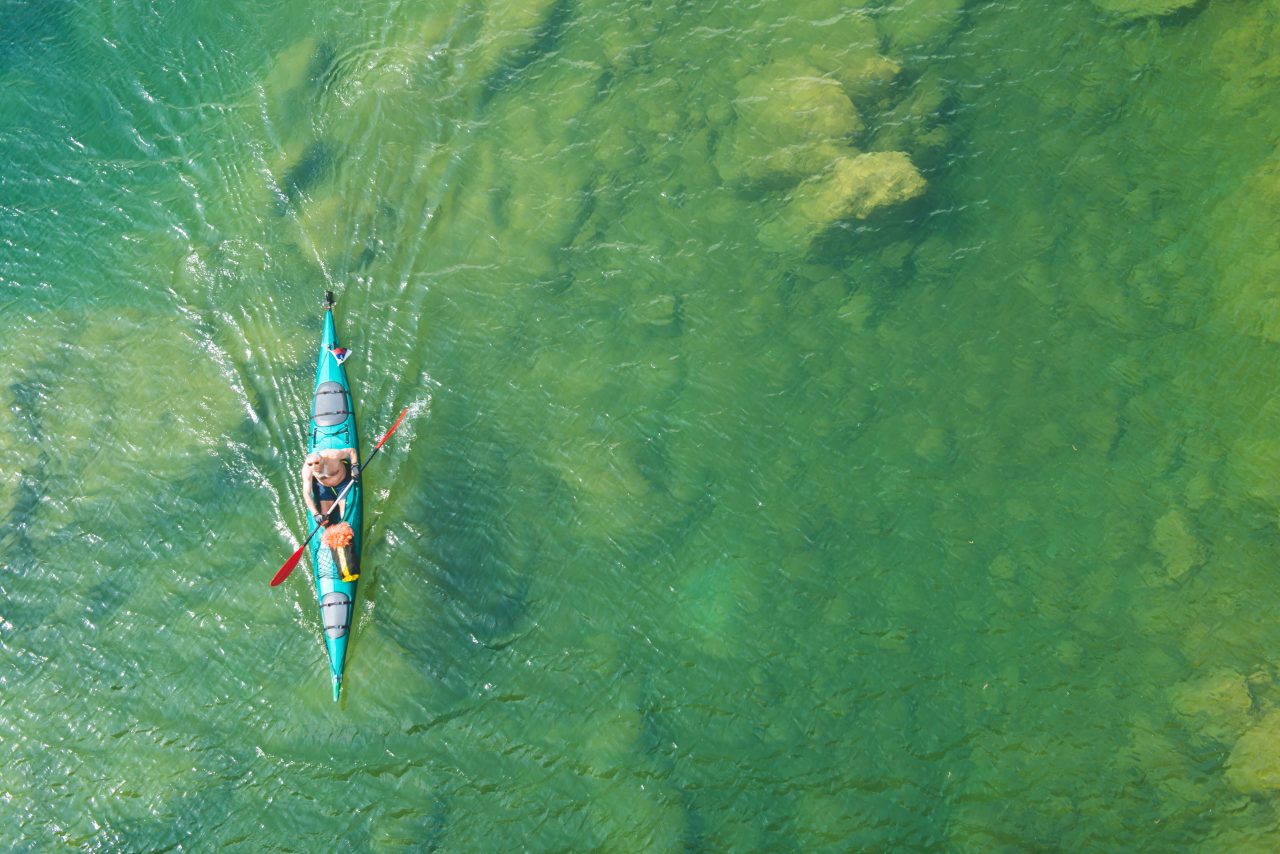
x,y
314,460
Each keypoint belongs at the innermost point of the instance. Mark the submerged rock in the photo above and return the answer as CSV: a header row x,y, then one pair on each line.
x,y
1218,704
798,103
659,311
1133,9
1253,462
1254,764
863,71
1176,544
792,121
854,188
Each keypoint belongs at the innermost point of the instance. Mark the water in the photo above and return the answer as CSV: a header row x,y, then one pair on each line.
x,y
716,525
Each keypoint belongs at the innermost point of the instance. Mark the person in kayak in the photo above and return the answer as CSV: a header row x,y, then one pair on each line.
x,y
324,474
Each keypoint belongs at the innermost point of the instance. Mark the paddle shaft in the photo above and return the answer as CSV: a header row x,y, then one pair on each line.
x,y
293,560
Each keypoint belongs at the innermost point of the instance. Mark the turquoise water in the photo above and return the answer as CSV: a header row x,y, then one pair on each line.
x,y
838,429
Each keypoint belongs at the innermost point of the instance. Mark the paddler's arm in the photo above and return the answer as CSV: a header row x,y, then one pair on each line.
x,y
307,491
354,456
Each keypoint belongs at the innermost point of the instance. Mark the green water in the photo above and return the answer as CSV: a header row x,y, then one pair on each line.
x,y
722,521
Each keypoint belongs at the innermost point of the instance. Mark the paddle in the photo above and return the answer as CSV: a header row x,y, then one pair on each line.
x,y
293,561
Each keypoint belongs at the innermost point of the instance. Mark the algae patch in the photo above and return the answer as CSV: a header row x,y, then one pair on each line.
x,y
1176,544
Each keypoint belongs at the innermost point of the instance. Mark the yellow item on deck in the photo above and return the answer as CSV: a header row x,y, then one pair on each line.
x,y
342,564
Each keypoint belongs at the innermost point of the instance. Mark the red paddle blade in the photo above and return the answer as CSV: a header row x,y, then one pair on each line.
x,y
288,566
383,440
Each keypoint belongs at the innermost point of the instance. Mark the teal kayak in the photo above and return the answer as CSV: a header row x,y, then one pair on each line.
x,y
333,426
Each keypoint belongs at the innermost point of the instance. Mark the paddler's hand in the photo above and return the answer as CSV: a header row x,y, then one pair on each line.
x,y
322,519
355,472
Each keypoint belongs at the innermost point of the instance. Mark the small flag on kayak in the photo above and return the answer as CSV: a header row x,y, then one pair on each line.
x,y
340,354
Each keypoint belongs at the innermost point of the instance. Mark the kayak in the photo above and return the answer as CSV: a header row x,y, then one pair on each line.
x,y
333,426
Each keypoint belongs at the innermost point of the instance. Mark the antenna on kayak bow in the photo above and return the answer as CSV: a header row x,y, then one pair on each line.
x,y
328,300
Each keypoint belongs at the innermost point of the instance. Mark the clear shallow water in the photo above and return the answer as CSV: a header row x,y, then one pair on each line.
x,y
952,528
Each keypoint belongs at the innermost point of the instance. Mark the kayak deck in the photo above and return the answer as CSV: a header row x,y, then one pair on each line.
x,y
333,426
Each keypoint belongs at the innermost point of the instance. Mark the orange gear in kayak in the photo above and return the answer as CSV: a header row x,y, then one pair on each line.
x,y
337,536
